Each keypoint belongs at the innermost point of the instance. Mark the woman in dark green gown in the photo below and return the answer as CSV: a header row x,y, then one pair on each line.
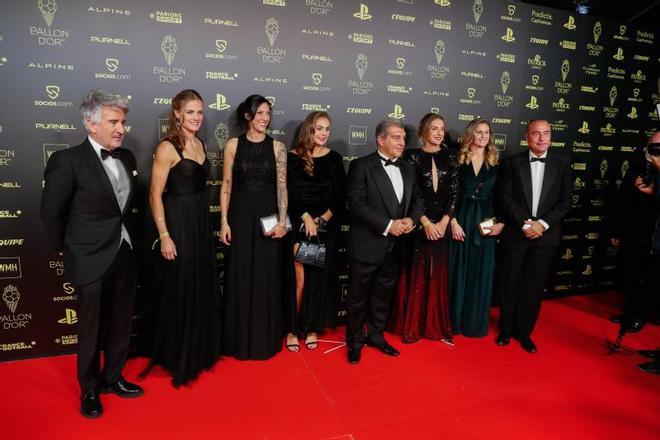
x,y
472,253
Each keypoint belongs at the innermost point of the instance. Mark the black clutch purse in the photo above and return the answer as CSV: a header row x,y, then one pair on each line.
x,y
311,252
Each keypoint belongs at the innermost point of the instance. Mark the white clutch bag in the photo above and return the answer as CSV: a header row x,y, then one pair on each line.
x,y
269,222
484,226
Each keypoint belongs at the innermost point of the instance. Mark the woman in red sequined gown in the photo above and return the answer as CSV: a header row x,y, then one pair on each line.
x,y
421,308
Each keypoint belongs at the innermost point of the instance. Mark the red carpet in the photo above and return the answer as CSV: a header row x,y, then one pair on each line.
x,y
569,389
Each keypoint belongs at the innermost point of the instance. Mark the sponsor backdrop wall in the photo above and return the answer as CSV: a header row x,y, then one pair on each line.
x,y
362,61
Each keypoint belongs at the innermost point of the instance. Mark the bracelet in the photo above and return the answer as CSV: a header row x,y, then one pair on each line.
x,y
163,235
159,219
428,222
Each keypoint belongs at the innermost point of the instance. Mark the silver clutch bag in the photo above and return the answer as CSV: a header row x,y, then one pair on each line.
x,y
270,221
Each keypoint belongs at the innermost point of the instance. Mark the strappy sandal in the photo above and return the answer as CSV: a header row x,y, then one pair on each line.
x,y
312,345
293,347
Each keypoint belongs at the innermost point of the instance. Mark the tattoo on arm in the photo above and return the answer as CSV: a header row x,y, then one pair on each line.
x,y
225,195
280,172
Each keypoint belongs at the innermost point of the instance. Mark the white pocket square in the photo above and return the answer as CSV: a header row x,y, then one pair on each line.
x,y
135,172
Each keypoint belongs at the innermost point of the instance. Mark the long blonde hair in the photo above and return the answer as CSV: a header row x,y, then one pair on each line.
x,y
491,155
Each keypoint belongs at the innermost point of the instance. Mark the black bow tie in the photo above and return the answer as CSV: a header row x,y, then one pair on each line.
x,y
388,162
112,153
537,159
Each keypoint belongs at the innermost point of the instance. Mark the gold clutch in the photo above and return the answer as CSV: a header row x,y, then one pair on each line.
x,y
484,226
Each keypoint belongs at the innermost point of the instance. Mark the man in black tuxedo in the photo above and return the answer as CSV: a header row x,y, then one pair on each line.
x,y
535,195
631,222
384,204
88,210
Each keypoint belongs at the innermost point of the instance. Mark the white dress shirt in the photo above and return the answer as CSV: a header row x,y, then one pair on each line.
x,y
109,162
537,169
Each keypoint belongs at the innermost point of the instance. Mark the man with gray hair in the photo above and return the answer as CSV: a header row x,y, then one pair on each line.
x,y
384,204
88,208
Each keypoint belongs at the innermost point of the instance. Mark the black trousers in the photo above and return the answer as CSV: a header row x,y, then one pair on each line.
x,y
649,299
636,264
523,274
371,287
104,321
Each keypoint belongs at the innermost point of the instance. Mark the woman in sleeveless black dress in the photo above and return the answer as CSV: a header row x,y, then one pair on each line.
x,y
186,316
253,186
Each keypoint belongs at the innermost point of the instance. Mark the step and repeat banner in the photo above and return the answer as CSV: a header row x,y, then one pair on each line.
x,y
595,79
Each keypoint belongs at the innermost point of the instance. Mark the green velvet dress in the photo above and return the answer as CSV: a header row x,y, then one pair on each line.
x,y
472,262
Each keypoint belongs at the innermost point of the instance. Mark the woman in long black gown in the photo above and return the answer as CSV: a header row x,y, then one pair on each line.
x,y
186,316
316,181
253,186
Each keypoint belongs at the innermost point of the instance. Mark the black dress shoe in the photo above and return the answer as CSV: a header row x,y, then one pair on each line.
x,y
90,405
651,354
528,345
122,388
354,355
502,340
652,367
385,348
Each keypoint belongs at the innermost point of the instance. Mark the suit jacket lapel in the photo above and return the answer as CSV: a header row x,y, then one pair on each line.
x,y
99,170
131,178
526,177
549,175
384,184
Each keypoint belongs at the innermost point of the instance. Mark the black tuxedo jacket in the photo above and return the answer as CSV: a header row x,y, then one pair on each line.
x,y
515,197
80,211
372,203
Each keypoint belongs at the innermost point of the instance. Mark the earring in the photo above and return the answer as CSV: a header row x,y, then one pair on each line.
x,y
178,123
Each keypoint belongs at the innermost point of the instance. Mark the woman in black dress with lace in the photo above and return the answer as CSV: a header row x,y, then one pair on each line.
x,y
315,181
422,303
186,316
253,186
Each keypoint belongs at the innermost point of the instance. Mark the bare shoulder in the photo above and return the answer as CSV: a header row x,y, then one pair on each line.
x,y
231,144
164,147
230,148
166,151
